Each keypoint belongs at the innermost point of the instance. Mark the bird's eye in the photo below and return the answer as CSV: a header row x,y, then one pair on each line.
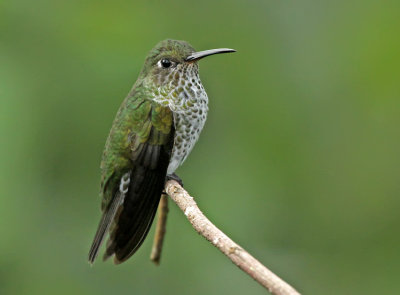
x,y
165,63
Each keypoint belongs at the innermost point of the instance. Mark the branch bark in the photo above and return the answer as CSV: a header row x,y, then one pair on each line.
x,y
233,251
161,228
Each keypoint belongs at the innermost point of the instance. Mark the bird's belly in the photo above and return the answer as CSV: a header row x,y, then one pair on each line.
x,y
187,132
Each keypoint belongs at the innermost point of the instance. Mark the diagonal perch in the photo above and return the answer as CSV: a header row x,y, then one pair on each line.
x,y
233,251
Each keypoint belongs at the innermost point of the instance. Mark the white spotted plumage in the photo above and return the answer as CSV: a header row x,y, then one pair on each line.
x,y
186,97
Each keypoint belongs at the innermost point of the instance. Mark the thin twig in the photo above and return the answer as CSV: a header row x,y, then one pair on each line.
x,y
160,230
237,254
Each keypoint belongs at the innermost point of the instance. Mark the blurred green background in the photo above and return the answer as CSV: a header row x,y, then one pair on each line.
x,y
298,162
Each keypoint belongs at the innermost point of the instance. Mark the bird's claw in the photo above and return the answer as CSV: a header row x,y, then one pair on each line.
x,y
175,177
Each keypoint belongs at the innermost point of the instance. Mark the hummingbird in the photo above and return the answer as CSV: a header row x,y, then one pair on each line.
x,y
154,131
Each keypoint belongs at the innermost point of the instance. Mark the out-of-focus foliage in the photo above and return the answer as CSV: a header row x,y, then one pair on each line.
x,y
299,161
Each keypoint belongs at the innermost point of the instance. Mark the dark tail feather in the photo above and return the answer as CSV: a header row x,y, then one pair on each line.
x,y
104,225
136,215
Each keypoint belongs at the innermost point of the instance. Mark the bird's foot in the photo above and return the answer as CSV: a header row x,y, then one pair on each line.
x,y
175,177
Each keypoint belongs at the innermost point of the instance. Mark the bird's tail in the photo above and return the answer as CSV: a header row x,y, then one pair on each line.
x,y
129,217
108,216
134,219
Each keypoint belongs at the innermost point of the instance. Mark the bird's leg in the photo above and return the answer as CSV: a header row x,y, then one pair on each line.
x,y
175,177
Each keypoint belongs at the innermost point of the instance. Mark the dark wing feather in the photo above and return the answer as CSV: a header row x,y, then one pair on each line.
x,y
104,225
139,207
141,145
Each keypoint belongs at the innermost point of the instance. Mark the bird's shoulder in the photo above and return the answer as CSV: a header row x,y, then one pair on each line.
x,y
142,127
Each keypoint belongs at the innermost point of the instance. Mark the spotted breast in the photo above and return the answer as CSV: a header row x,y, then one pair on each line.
x,y
186,97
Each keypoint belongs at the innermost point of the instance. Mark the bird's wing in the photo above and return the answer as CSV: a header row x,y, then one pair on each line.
x,y
134,167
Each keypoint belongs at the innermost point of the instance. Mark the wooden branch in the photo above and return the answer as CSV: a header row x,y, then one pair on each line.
x,y
237,254
155,255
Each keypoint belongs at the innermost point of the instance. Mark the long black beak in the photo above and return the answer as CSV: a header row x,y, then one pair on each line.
x,y
201,54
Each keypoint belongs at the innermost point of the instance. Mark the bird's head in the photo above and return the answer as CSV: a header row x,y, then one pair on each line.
x,y
170,61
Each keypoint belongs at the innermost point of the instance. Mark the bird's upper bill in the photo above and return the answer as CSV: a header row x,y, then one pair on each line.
x,y
199,55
